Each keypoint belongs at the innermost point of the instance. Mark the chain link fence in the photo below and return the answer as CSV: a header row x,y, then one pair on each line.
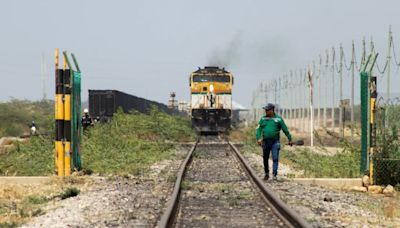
x,y
386,159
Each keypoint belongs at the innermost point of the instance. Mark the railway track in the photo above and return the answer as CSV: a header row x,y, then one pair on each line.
x,y
215,187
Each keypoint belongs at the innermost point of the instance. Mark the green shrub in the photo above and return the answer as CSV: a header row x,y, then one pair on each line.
x,y
130,143
69,192
16,116
388,143
35,157
8,224
343,164
33,199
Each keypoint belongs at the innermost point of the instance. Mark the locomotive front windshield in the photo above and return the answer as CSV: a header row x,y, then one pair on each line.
x,y
211,78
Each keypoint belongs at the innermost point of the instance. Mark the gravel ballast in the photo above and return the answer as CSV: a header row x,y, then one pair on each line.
x,y
328,207
130,201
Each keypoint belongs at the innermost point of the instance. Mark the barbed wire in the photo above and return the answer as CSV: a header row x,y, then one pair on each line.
x,y
384,69
394,54
358,66
348,68
326,69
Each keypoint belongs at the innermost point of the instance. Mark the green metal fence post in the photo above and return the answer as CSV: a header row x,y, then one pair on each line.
x,y
77,131
364,121
76,127
76,118
365,74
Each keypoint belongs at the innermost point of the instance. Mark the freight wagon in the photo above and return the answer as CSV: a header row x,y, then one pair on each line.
x,y
104,103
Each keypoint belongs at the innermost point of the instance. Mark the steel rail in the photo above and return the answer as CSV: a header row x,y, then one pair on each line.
x,y
167,219
286,212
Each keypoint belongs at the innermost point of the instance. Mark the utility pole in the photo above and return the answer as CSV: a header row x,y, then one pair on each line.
x,y
301,112
364,53
301,126
388,74
292,86
353,66
284,97
305,117
313,81
291,101
341,88
319,91
275,91
333,89
388,62
295,99
326,89
372,46
310,83
279,95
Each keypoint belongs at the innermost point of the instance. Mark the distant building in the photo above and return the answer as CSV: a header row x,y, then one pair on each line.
x,y
172,103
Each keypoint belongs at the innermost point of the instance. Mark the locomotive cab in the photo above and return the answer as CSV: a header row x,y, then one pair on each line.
x,y
211,99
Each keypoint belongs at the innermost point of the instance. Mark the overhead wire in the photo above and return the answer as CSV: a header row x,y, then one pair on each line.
x,y
298,79
394,54
384,68
377,63
348,68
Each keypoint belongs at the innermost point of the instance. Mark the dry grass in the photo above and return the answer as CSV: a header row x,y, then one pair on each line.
x,y
391,208
237,135
20,202
323,137
11,192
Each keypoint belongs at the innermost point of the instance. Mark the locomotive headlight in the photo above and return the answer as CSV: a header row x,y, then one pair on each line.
x,y
211,88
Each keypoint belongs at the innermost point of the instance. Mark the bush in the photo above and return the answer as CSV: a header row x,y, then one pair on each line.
x,y
388,144
16,116
341,165
35,157
34,199
69,192
344,164
130,143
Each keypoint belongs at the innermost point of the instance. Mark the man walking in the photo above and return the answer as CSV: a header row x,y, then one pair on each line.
x,y
268,134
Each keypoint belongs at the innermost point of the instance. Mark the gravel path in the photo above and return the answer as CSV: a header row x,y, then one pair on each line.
x,y
324,207
116,201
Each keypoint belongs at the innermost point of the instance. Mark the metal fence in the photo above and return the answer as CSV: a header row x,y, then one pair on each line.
x,y
386,159
332,79
326,95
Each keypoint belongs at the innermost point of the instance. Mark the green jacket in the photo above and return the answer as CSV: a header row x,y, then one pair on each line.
x,y
270,127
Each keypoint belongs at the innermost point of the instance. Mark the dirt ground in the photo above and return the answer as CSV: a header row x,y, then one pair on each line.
x,y
325,137
19,202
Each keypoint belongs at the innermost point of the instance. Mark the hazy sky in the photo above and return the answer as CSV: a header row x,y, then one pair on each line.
x,y
148,48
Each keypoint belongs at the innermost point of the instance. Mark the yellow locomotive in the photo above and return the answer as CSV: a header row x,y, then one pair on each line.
x,y
211,99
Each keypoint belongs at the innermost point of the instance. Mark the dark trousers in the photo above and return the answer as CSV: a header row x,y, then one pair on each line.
x,y
269,145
